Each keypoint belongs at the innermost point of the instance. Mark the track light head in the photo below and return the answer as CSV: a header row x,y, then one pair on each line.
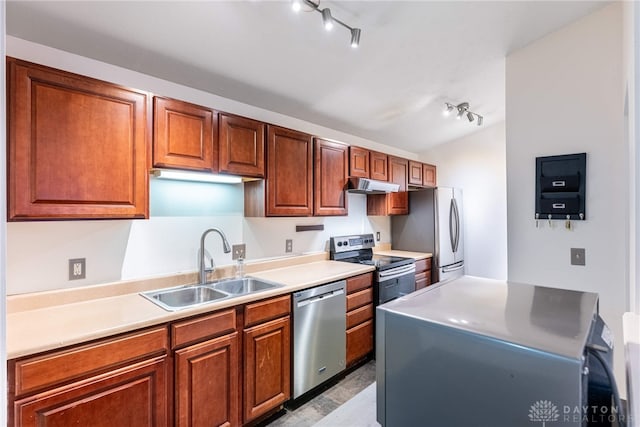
x,y
479,120
470,116
448,108
355,37
327,20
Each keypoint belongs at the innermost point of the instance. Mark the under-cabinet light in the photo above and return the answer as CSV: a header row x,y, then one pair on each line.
x,y
196,176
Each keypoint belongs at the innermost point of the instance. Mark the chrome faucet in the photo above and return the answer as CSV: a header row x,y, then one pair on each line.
x,y
225,247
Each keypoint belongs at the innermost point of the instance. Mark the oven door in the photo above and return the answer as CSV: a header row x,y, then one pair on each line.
x,y
395,282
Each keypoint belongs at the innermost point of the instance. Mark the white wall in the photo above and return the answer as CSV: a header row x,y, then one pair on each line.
x,y
38,252
564,95
632,118
477,164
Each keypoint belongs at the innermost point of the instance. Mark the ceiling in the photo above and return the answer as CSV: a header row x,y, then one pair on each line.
x,y
413,56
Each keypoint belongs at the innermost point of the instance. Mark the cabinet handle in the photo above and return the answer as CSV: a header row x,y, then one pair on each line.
x,y
558,183
558,206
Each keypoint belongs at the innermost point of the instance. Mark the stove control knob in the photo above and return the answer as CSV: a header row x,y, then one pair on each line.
x,y
345,243
339,243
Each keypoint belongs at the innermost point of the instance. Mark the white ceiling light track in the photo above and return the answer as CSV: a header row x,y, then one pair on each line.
x,y
461,111
328,20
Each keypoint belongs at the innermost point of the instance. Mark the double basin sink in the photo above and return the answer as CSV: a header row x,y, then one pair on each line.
x,y
180,297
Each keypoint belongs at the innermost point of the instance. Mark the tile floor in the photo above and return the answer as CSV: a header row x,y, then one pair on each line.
x,y
322,405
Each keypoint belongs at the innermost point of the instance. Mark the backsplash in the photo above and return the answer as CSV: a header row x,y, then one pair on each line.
x,y
167,243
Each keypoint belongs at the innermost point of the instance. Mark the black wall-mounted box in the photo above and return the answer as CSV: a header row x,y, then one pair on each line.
x,y
560,187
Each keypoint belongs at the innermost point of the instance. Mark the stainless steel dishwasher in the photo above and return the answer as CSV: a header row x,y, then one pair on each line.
x,y
319,335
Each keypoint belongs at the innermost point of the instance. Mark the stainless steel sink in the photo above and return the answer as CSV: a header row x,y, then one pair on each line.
x,y
184,296
246,285
180,297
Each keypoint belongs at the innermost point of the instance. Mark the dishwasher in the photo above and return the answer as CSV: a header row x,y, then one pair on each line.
x,y
319,335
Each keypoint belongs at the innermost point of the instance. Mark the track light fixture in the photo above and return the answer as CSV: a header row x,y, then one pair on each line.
x,y
328,20
462,110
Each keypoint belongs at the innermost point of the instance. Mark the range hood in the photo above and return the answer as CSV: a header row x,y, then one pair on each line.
x,y
371,186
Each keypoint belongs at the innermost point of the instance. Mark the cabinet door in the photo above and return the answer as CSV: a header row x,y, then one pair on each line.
x,y
379,166
77,146
358,162
241,146
289,173
267,365
132,396
415,173
331,167
429,175
359,342
398,203
184,135
207,383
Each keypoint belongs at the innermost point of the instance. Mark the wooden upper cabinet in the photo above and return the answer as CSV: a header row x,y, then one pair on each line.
x,y
415,173
398,203
242,144
429,175
78,147
289,184
358,162
379,166
331,167
392,203
184,135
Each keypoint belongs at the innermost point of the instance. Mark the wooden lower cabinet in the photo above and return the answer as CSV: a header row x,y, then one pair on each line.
x,y
359,318
122,380
423,273
359,341
207,390
131,396
267,367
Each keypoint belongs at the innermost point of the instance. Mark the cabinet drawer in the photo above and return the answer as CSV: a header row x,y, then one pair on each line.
x,y
359,315
359,341
201,328
38,372
359,299
265,310
423,264
357,283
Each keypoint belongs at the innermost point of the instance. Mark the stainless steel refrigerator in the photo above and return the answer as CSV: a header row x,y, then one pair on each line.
x,y
434,225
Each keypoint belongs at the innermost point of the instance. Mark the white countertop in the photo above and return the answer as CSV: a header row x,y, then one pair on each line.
x,y
47,327
406,254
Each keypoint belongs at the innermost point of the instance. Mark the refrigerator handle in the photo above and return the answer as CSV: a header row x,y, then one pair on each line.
x,y
457,224
452,235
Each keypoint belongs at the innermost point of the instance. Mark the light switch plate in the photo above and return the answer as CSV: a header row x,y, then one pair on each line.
x,y
577,256
238,251
288,245
77,268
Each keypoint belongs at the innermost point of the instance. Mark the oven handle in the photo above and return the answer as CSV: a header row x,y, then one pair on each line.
x,y
396,272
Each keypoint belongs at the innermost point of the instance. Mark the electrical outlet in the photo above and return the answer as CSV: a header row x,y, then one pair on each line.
x,y
238,251
77,268
577,256
288,246
377,236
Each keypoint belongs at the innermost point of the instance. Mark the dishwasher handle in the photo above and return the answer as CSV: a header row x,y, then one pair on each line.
x,y
317,298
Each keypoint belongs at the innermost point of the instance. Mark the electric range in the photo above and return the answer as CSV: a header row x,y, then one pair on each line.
x,y
394,276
